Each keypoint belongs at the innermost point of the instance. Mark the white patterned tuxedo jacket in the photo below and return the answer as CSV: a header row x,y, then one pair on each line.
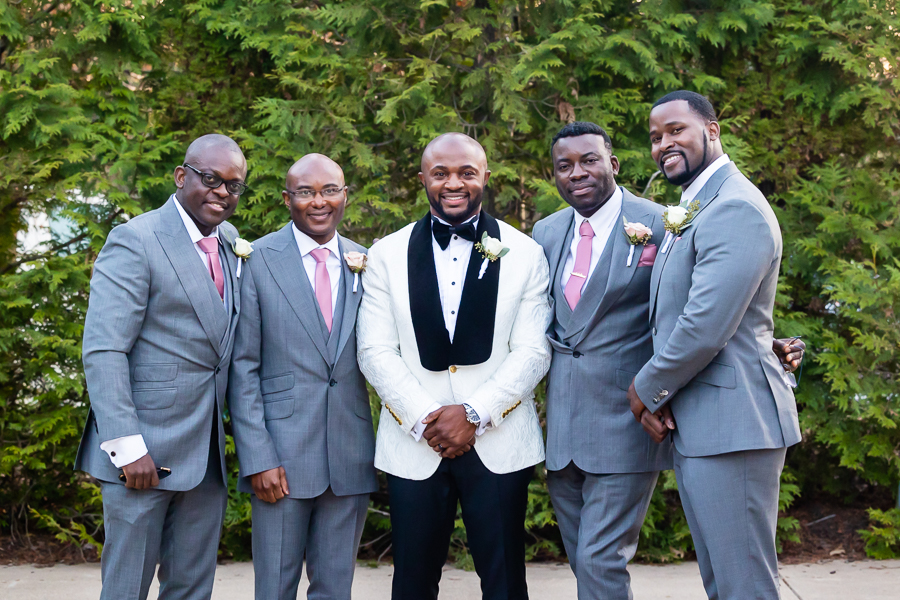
x,y
498,354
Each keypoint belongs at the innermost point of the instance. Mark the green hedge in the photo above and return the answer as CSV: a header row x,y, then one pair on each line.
x,y
99,99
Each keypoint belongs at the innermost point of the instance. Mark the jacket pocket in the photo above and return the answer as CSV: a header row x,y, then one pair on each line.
x,y
623,379
154,399
276,383
278,408
718,375
155,372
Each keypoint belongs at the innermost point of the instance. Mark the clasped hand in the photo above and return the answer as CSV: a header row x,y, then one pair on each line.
x,y
448,432
657,425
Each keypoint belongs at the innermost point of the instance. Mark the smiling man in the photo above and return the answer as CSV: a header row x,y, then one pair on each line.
x,y
713,378
164,303
302,423
454,343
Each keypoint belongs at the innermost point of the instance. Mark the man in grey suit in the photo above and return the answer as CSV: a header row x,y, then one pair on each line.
x,y
302,423
602,467
165,299
713,380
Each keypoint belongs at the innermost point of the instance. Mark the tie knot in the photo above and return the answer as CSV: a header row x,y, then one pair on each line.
x,y
320,254
586,230
209,245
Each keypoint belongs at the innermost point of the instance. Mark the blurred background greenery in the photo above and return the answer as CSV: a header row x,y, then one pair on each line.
x,y
98,101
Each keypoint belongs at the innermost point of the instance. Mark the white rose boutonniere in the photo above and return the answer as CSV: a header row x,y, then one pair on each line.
x,y
637,233
491,249
676,219
356,262
242,249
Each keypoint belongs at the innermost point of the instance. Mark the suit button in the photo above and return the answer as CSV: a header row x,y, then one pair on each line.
x,y
218,369
453,368
332,383
113,454
577,354
654,331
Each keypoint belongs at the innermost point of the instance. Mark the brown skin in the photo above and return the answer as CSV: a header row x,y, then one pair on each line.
x,y
454,173
211,154
680,134
270,486
207,208
318,218
585,172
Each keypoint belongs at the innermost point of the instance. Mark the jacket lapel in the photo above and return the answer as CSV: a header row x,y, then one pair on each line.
x,y
560,237
231,261
620,274
197,284
473,340
432,338
286,265
351,301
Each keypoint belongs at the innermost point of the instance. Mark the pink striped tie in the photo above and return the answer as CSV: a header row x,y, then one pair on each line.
x,y
323,284
211,247
582,265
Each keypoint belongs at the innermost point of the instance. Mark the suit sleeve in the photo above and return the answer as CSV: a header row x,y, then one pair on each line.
x,y
735,250
378,348
120,291
529,351
255,449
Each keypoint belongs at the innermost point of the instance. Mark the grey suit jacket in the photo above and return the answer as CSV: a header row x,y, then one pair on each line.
x,y
598,349
711,302
296,394
157,345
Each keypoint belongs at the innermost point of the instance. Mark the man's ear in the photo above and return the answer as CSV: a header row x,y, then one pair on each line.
x,y
713,130
178,176
422,177
614,161
487,175
287,199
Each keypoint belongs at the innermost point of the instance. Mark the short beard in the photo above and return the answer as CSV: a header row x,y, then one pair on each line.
x,y
688,174
472,207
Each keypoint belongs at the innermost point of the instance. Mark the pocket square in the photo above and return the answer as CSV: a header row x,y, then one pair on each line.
x,y
648,256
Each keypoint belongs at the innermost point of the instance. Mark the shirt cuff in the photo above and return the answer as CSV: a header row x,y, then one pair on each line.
x,y
483,414
125,450
419,429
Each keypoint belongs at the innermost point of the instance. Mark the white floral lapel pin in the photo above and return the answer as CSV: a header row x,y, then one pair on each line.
x,y
356,262
491,249
637,233
242,249
676,219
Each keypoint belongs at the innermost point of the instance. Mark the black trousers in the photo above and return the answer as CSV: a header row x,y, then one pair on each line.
x,y
493,510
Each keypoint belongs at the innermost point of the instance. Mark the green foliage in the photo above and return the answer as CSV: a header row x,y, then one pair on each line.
x,y
883,539
99,99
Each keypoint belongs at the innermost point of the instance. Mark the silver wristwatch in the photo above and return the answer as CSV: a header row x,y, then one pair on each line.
x,y
472,416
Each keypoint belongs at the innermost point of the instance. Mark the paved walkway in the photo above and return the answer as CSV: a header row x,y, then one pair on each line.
x,y
837,580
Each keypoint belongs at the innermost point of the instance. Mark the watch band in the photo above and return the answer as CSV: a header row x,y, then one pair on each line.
x,y
471,415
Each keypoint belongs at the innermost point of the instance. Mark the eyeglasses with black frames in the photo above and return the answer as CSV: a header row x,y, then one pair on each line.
x,y
211,180
307,194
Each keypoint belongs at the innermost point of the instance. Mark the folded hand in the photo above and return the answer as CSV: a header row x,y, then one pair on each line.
x,y
448,432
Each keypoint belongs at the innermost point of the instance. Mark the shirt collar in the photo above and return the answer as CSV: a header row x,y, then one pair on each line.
x,y
191,227
689,194
604,216
306,244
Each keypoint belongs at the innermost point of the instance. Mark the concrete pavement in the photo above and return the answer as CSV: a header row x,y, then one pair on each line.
x,y
836,580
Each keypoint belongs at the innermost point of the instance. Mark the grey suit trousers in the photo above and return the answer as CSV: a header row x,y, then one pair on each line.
x,y
731,504
600,518
325,529
178,530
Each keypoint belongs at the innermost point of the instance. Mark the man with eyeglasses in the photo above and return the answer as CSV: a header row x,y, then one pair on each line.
x,y
299,405
158,337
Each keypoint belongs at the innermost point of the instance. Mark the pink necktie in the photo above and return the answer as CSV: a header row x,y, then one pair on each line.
x,y
323,284
582,265
211,247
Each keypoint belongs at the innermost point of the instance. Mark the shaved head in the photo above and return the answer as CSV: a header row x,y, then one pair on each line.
x,y
213,142
445,141
313,163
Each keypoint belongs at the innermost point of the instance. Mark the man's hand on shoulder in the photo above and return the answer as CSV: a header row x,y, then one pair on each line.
x,y
270,486
656,425
449,432
141,474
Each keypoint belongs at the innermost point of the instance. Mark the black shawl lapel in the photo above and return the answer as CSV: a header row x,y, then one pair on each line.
x,y
473,339
432,338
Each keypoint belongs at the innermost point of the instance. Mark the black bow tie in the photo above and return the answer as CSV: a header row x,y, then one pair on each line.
x,y
442,231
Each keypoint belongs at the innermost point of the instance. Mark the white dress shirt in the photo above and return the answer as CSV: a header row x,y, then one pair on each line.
x,y
332,264
451,266
125,450
603,222
688,195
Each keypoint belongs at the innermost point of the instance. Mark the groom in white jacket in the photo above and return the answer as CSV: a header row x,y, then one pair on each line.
x,y
451,334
